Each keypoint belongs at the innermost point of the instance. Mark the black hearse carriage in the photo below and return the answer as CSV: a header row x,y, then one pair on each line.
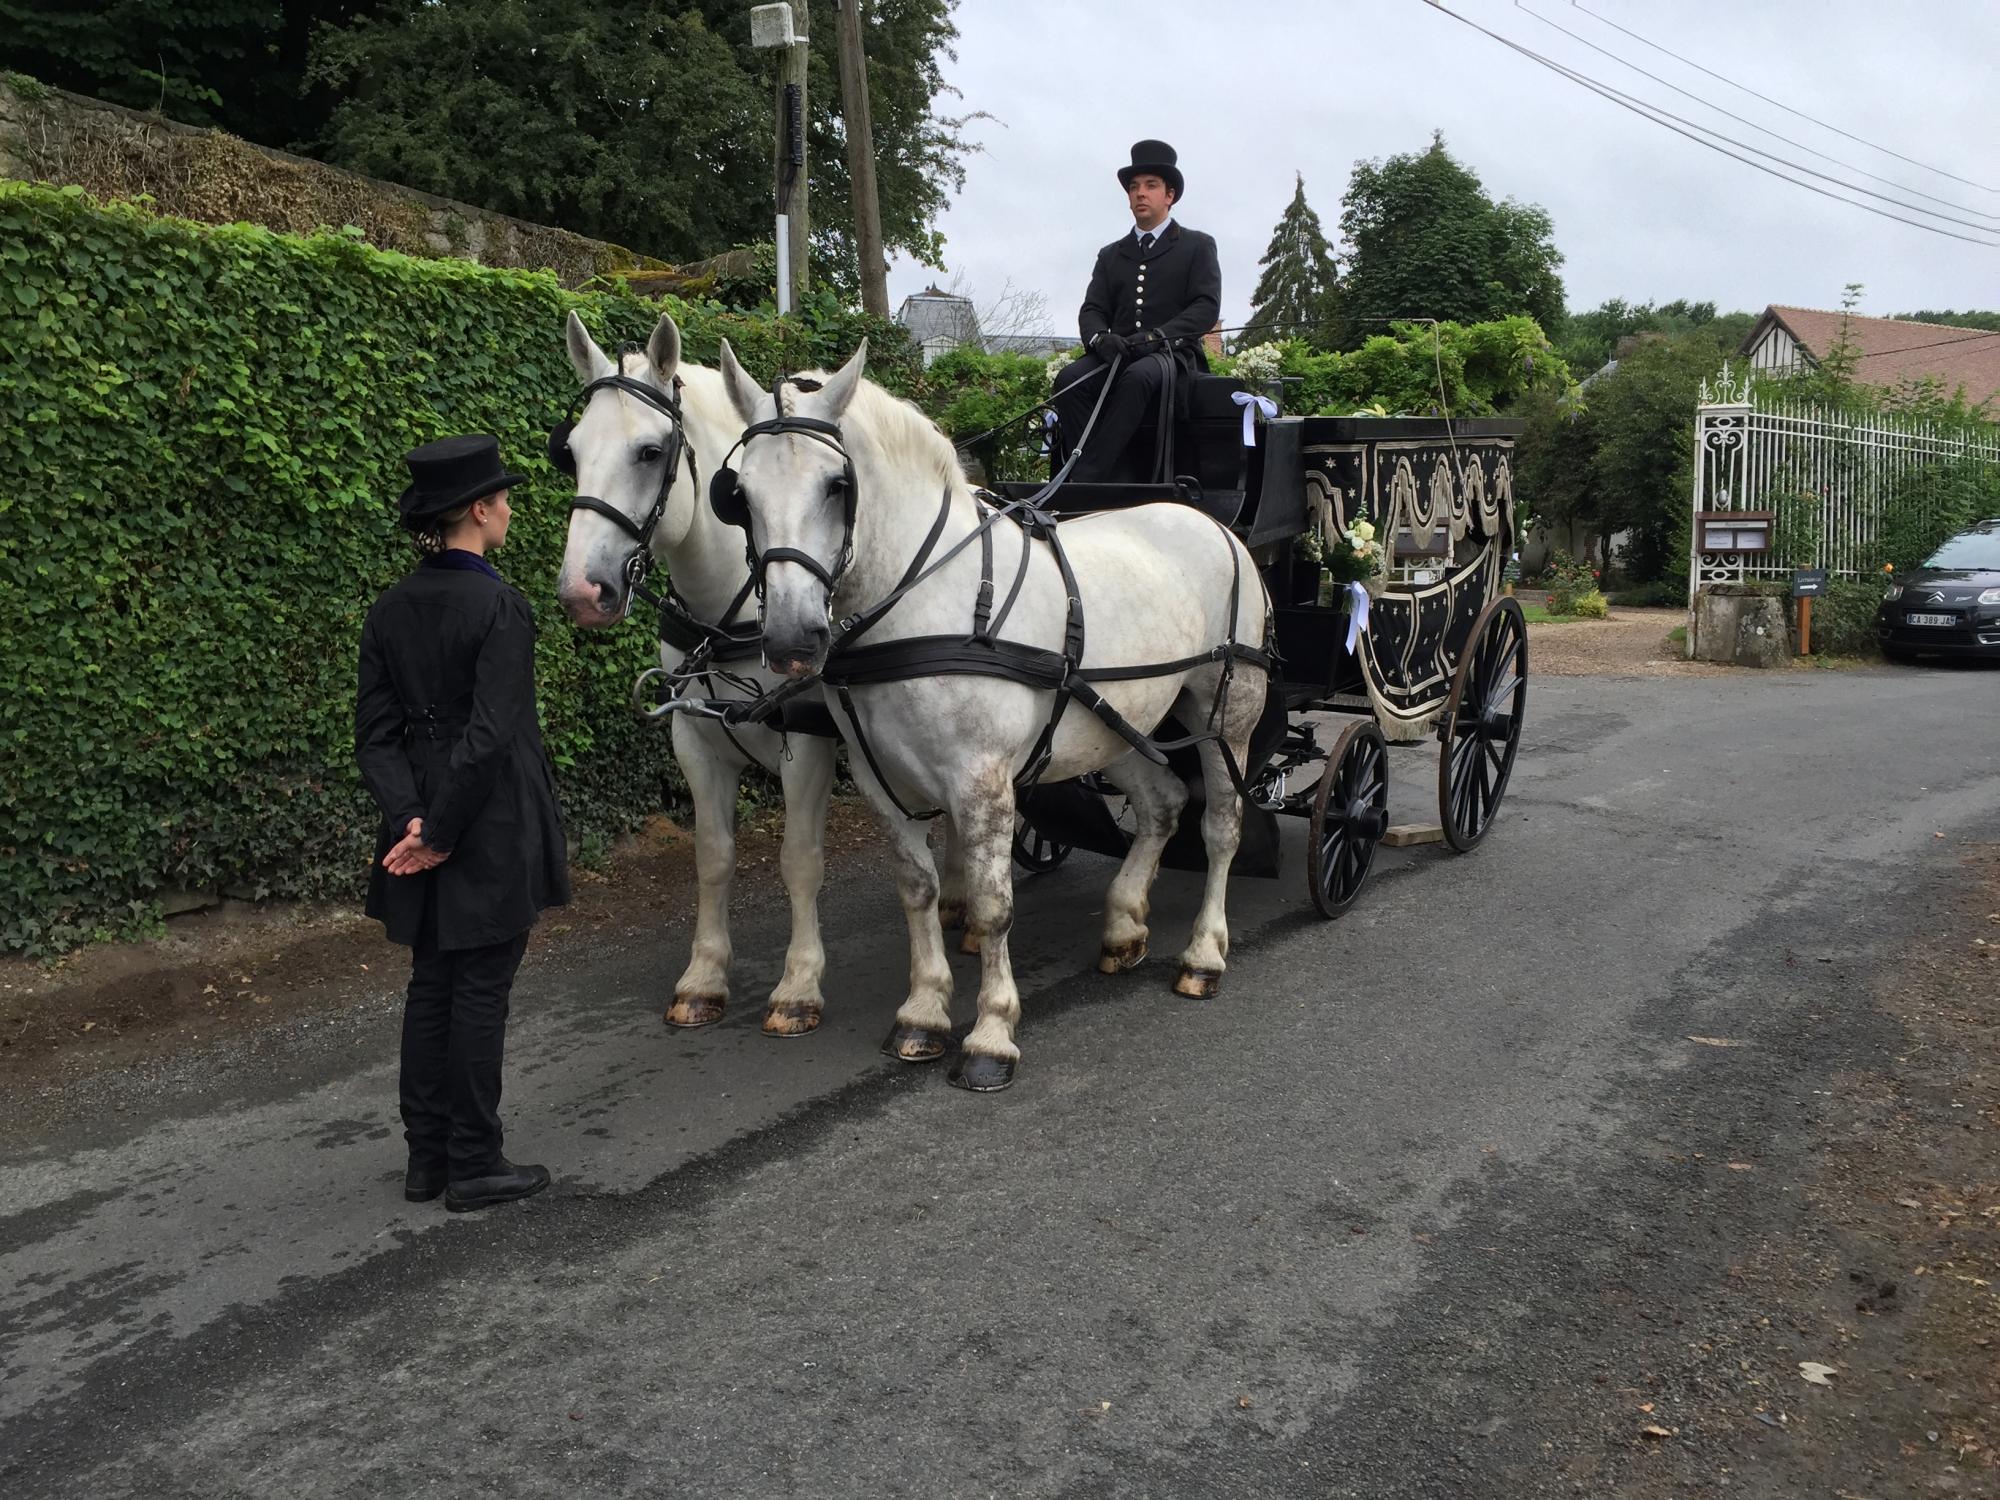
x,y
1443,655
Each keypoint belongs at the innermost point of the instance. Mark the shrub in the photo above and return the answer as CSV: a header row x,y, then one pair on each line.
x,y
1569,581
1591,605
204,432
1660,594
1843,621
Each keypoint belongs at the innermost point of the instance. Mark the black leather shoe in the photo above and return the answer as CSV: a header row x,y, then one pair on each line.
x,y
421,1184
502,1186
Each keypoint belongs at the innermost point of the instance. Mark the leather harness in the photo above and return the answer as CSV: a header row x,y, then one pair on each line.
x,y
982,652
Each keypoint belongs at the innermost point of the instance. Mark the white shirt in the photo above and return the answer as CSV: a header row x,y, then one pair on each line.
x,y
1157,234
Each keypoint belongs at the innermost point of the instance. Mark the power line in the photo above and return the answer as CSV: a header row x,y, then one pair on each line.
x,y
1743,120
1664,115
1655,114
1745,88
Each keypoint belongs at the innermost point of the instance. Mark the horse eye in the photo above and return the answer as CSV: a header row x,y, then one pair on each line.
x,y
836,484
650,454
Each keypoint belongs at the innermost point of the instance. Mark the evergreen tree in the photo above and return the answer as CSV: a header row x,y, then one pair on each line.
x,y
1294,295
1425,241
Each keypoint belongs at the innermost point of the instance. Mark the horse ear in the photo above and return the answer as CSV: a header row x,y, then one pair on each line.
x,y
744,393
585,357
663,350
841,386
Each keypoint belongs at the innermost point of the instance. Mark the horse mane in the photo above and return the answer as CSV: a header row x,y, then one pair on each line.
x,y
906,437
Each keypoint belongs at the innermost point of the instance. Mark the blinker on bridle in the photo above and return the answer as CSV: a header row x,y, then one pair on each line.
x,y
641,532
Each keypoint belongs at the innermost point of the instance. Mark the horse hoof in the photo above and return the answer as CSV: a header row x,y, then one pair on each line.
x,y
1199,984
791,1019
969,943
980,1073
694,1010
1117,958
917,1044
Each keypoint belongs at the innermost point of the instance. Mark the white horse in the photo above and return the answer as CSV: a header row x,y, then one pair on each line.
x,y
620,447
1158,583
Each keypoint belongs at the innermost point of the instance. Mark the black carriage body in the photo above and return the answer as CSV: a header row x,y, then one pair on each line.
x,y
1440,496
1441,499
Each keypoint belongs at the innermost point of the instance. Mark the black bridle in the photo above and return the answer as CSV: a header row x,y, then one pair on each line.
x,y
641,532
725,495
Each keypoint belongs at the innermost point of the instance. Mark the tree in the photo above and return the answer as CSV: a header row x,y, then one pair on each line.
x,y
1294,295
1642,421
239,65
1555,463
647,122
1423,240
1967,319
1590,338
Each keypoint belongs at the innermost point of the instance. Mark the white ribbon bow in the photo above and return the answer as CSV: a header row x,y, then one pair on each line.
x,y
1357,621
1252,403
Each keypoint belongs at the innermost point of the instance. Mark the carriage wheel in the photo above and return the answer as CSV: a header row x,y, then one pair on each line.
x,y
1035,851
1481,727
1350,814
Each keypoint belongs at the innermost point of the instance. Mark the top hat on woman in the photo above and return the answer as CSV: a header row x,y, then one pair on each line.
x,y
452,473
1158,158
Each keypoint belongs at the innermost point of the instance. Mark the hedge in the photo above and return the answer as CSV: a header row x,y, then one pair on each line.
x,y
203,440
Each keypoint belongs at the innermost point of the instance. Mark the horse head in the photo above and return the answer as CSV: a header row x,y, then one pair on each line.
x,y
627,450
794,489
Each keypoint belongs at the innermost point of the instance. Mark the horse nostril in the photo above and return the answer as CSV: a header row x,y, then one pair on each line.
x,y
608,590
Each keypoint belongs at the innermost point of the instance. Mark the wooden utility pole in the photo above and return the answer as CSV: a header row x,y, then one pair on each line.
x,y
783,26
792,73
861,158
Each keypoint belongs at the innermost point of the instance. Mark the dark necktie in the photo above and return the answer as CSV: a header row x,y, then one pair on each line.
x,y
1145,246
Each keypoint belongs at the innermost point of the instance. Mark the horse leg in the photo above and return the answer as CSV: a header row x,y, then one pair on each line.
x,y
807,775
712,773
1221,831
922,1032
986,1060
951,888
1156,796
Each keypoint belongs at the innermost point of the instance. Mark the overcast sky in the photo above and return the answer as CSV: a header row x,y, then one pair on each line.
x,y
1248,91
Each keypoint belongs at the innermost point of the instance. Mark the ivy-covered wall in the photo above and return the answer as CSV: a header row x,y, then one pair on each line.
x,y
203,440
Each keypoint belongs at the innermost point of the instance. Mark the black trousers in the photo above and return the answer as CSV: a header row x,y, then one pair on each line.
x,y
454,1037
1136,393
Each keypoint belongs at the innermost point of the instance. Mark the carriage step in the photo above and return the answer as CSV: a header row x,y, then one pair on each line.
x,y
1402,835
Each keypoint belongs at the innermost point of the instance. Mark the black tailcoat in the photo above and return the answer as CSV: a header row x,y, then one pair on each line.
x,y
1176,289
445,730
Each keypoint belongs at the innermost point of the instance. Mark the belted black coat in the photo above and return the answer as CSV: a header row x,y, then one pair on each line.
x,y
445,730
1177,289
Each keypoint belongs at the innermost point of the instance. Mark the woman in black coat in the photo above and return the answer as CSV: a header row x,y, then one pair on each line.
x,y
471,846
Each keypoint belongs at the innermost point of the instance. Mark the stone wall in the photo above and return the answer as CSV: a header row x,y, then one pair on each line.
x,y
50,135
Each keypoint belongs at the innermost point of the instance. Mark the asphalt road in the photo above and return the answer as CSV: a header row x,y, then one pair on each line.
x,y
1337,1231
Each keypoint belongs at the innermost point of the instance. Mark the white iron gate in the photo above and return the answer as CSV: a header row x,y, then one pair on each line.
x,y
1811,481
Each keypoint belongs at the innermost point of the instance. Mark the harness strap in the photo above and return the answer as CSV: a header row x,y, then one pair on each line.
x,y
982,606
1020,577
684,630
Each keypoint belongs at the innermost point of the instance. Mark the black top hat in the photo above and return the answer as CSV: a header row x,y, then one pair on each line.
x,y
453,472
1158,158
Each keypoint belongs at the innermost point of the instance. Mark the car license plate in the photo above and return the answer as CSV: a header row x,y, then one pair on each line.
x,y
1930,619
